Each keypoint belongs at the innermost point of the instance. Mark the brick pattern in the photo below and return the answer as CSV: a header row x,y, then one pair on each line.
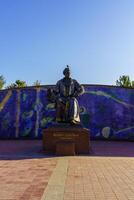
x,y
26,173
25,179
95,178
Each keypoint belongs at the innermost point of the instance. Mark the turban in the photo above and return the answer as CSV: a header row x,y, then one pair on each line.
x,y
66,70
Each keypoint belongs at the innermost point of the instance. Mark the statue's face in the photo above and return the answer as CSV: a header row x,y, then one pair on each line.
x,y
67,74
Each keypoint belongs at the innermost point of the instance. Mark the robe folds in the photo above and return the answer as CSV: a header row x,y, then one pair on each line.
x,y
67,107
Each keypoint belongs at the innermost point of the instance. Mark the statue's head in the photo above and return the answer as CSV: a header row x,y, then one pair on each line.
x,y
67,72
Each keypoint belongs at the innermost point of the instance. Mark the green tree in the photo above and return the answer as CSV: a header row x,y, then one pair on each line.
x,y
124,81
37,83
2,81
17,84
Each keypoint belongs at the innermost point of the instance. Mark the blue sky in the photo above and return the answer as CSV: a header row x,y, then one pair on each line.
x,y
38,38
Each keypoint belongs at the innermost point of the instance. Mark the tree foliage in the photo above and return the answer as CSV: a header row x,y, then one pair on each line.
x,y
124,81
2,81
17,84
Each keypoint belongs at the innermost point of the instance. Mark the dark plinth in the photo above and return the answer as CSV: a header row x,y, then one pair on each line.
x,y
65,148
66,140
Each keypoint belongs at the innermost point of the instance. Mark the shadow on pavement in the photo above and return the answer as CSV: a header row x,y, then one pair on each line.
x,y
32,149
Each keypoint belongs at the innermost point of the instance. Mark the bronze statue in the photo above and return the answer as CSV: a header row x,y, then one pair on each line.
x,y
64,95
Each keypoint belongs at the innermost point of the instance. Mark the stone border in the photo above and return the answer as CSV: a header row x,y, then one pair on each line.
x,y
56,184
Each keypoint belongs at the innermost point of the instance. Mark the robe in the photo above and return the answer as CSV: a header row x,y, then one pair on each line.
x,y
67,107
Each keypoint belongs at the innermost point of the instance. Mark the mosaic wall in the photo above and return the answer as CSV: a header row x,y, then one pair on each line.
x,y
106,111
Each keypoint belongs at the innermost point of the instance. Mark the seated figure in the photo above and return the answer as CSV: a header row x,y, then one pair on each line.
x,y
64,95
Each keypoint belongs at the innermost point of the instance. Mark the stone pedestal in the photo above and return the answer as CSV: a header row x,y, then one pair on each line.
x,y
66,148
66,140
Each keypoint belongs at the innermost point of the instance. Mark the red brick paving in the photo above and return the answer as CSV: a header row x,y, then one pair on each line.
x,y
24,179
24,171
100,178
106,174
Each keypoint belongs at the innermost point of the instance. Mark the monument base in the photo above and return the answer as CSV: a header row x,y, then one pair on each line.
x,y
64,139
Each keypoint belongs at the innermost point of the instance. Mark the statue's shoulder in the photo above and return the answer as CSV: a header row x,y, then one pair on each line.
x,y
59,81
75,81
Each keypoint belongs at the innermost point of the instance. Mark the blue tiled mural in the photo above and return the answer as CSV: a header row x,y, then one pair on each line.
x,y
107,111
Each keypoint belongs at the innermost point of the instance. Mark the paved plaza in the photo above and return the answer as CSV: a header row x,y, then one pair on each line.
x,y
27,173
